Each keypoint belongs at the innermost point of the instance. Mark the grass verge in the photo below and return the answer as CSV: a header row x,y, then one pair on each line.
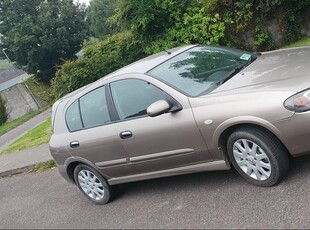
x,y
44,166
5,65
35,137
12,124
302,42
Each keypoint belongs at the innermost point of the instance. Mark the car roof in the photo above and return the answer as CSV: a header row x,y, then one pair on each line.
x,y
141,66
146,64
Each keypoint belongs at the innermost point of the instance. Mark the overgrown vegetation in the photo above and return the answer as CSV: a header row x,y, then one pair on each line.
x,y
44,166
3,112
43,34
144,27
5,65
41,90
302,42
35,137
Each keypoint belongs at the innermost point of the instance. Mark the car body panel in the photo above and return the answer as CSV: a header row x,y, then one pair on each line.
x,y
216,114
189,140
199,167
282,70
101,146
295,133
162,142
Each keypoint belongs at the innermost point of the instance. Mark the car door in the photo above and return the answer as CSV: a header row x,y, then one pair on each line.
x,y
155,143
93,136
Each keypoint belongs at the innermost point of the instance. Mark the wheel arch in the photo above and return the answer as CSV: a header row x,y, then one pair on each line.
x,y
72,163
223,132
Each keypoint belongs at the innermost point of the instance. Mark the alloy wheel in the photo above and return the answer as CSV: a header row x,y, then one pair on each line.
x,y
91,185
252,159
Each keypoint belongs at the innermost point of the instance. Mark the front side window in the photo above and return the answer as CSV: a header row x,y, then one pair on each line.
x,y
94,109
132,97
198,70
88,111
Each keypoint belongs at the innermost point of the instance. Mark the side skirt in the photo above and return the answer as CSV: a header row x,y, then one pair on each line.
x,y
209,166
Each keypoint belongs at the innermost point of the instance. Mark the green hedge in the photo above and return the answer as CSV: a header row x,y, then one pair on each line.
x,y
99,60
3,112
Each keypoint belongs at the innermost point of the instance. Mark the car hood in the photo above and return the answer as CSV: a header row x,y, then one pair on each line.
x,y
281,70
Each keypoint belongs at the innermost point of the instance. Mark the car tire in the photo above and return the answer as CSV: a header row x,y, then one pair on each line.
x,y
258,156
92,184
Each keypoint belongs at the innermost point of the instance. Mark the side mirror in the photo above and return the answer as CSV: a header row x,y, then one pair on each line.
x,y
158,108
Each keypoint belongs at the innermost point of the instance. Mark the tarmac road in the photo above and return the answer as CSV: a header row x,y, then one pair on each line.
x,y
204,200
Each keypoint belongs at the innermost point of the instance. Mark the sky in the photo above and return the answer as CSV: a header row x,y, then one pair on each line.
x,y
83,1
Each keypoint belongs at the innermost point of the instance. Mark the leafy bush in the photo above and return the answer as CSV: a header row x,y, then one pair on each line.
x,y
99,60
196,26
3,112
152,26
263,39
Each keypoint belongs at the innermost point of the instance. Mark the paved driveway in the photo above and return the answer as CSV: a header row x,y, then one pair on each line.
x,y
204,200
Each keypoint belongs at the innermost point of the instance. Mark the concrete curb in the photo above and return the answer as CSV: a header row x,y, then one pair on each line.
x,y
24,160
24,169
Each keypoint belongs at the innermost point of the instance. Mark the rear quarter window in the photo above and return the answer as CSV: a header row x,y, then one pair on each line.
x,y
73,117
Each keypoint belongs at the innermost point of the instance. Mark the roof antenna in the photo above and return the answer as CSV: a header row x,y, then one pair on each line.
x,y
167,52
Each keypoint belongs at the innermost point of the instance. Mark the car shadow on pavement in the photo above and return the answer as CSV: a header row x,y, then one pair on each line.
x,y
187,182
299,167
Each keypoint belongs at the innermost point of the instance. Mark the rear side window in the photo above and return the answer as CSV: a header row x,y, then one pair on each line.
x,y
73,117
94,108
88,111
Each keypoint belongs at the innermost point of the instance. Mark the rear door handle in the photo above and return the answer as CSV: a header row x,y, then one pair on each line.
x,y
74,144
125,134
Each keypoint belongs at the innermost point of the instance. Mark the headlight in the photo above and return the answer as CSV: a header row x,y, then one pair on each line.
x,y
299,102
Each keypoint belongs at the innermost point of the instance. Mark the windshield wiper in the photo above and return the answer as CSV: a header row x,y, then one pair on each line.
x,y
231,74
238,69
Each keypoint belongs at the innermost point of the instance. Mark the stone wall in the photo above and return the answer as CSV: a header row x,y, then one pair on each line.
x,y
275,28
19,101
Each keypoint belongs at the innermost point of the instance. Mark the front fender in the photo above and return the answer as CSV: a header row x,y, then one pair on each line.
x,y
241,121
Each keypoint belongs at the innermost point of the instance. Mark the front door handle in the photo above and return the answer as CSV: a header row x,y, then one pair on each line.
x,y
74,144
125,134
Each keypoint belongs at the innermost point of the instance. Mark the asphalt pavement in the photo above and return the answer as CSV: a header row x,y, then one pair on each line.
x,y
204,200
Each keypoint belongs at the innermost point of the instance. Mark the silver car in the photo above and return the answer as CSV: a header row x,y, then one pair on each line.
x,y
189,109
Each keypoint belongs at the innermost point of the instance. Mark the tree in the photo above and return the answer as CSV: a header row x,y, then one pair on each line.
x,y
147,19
97,15
40,34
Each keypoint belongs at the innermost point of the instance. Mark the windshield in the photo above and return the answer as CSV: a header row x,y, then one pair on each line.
x,y
201,69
